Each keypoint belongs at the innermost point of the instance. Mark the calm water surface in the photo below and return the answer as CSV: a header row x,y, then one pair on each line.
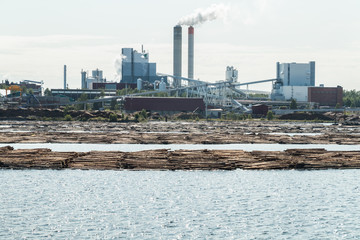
x,y
83,147
74,204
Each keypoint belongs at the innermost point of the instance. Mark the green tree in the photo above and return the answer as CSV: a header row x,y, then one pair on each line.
x,y
47,92
270,115
293,104
351,98
136,116
113,117
143,114
68,117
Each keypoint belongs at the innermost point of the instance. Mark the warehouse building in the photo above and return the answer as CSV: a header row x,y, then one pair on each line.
x,y
168,105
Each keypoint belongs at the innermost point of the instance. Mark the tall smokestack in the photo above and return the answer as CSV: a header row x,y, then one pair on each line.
x,y
177,54
191,53
64,76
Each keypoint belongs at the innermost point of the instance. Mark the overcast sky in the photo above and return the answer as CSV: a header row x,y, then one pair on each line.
x,y
38,37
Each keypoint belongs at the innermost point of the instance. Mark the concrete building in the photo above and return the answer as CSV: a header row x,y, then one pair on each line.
x,y
136,65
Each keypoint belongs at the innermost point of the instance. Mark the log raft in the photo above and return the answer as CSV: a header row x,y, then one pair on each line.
x,y
164,159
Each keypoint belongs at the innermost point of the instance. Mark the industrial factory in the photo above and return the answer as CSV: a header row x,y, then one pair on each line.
x,y
142,87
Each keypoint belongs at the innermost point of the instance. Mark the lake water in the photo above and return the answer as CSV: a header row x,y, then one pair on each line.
x,y
74,204
83,147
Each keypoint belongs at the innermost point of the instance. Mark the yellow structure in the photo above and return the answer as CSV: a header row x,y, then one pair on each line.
x,y
14,88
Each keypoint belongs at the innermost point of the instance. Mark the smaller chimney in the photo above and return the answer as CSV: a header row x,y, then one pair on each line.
x,y
191,52
65,77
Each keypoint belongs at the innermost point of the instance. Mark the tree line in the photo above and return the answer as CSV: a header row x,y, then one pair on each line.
x,y
351,98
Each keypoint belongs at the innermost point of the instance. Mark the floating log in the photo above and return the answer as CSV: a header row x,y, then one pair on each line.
x,y
173,138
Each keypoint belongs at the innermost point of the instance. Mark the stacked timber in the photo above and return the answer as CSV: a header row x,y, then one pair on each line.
x,y
34,158
96,160
304,159
164,159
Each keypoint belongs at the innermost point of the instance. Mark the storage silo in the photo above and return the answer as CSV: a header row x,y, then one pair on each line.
x,y
162,85
139,84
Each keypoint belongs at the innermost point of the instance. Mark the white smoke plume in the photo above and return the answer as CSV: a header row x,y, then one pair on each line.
x,y
117,66
199,16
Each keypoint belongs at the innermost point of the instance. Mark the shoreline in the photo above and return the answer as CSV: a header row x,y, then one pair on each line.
x,y
163,159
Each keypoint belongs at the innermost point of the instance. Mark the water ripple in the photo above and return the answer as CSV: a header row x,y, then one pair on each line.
x,y
73,204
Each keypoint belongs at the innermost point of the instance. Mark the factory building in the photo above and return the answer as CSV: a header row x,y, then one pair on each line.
x,y
297,81
293,80
136,65
88,81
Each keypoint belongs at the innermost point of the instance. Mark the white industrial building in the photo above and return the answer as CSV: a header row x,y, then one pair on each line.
x,y
96,77
293,80
231,74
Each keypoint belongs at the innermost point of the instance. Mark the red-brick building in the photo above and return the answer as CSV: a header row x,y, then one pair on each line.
x,y
164,104
326,96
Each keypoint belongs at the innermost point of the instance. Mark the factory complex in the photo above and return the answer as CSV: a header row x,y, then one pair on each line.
x,y
142,87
